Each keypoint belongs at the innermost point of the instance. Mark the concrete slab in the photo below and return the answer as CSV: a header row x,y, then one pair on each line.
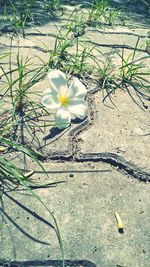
x,y
84,206
126,134
100,39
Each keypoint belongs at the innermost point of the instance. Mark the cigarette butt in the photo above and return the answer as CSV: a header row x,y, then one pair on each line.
x,y
28,174
3,148
119,222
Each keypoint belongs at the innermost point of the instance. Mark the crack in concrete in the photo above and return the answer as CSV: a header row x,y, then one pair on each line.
x,y
50,263
26,47
117,161
90,30
74,152
120,33
115,46
111,158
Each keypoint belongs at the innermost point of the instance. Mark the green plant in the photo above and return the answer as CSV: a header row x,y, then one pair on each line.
x,y
148,46
83,62
111,15
97,11
133,74
17,15
106,72
123,16
17,94
51,5
72,56
15,84
146,4
132,77
60,52
76,23
107,79
10,173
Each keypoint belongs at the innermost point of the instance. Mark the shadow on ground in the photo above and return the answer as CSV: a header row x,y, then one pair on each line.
x,y
27,263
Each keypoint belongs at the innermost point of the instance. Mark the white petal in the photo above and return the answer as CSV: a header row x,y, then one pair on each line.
x,y
49,91
50,99
77,89
62,119
78,108
58,81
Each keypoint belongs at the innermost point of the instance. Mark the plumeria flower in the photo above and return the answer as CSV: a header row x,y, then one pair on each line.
x,y
69,102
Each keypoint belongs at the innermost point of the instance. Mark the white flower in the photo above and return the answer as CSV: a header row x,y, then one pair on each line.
x,y
68,102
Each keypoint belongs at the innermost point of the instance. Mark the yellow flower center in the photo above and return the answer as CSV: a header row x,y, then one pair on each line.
x,y
63,100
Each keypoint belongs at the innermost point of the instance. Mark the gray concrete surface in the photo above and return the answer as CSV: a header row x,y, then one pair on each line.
x,y
126,134
92,178
84,206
